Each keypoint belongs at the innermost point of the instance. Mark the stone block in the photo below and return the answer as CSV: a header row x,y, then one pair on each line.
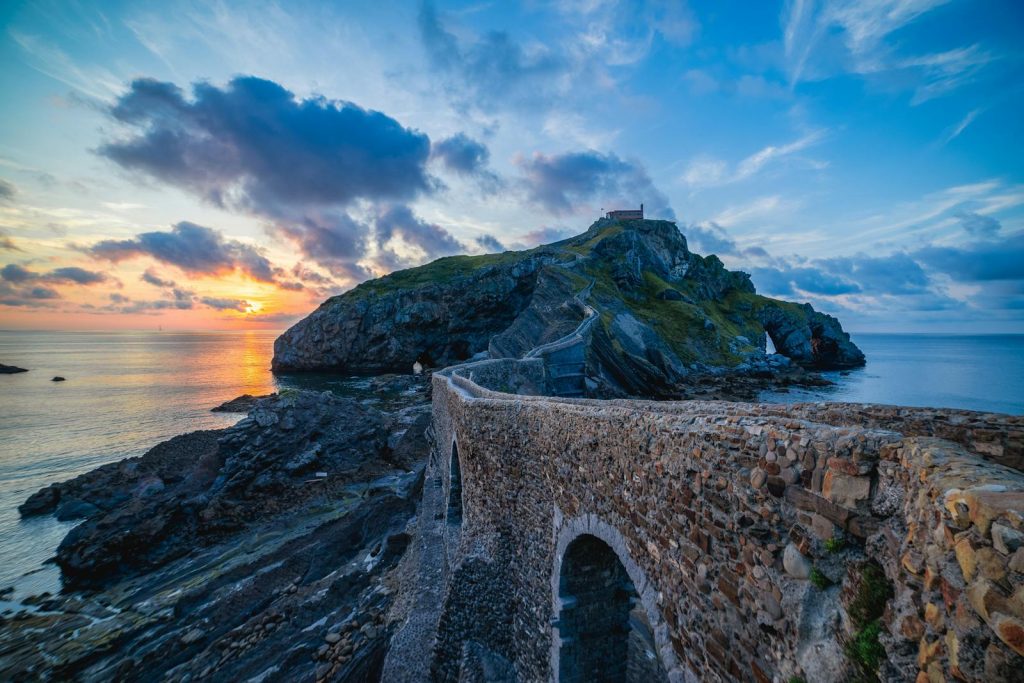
x,y
1006,539
844,489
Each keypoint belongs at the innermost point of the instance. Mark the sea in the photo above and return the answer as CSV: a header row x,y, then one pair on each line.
x,y
127,391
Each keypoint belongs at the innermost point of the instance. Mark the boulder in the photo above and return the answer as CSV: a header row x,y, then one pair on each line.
x,y
10,369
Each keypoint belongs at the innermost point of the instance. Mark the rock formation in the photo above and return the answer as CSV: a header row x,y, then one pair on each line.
x,y
10,369
265,551
665,316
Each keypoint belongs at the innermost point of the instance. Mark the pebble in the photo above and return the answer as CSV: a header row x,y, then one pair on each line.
x,y
332,638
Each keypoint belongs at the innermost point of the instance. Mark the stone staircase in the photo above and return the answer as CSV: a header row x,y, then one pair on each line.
x,y
564,359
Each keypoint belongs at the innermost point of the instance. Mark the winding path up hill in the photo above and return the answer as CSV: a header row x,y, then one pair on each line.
x,y
666,314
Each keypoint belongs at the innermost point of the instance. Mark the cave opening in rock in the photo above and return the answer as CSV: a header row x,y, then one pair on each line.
x,y
455,488
604,632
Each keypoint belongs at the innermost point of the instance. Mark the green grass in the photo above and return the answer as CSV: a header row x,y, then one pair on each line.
x,y
835,544
819,579
864,650
440,271
866,610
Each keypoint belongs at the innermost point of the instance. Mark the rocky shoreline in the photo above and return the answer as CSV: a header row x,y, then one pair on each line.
x,y
265,550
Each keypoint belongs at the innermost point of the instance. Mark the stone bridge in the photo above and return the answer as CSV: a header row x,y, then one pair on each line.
x,y
631,540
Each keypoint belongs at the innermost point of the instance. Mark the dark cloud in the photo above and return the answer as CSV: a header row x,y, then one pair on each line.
x,y
8,244
561,183
490,244
225,304
254,145
7,191
12,272
432,239
982,262
68,275
491,70
336,241
79,276
978,225
193,248
892,275
152,278
896,273
710,238
462,154
42,293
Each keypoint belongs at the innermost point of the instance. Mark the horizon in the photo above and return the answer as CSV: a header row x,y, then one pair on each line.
x,y
851,156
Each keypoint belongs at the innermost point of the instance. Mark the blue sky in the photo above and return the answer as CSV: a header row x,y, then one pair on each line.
x,y
223,164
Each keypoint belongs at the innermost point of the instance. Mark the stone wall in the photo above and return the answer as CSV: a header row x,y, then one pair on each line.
x,y
729,519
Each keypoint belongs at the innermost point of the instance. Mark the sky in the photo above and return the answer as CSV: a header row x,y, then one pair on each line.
x,y
226,165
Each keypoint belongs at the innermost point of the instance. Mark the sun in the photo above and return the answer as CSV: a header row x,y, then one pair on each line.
x,y
254,307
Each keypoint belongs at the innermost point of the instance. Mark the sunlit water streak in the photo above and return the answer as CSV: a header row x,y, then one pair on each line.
x,y
127,391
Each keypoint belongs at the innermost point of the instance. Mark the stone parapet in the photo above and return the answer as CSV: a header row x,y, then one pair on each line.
x,y
772,541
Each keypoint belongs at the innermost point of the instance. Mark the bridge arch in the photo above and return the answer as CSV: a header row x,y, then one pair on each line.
x,y
453,514
632,626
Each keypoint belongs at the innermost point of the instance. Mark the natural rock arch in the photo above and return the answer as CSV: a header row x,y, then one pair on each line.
x,y
618,618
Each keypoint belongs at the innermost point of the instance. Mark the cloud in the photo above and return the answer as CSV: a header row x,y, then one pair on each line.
x,y
42,293
982,262
710,238
400,222
977,224
710,172
490,244
154,279
12,272
961,126
822,40
334,240
493,69
67,275
547,235
896,273
195,249
564,183
225,304
254,145
7,191
462,154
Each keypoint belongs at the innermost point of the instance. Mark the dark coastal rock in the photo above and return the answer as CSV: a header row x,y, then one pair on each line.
x,y
664,314
10,369
43,501
58,378
223,482
239,404
224,555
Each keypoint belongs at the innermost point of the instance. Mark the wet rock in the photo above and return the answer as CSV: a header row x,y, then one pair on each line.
x,y
41,502
240,404
58,378
10,369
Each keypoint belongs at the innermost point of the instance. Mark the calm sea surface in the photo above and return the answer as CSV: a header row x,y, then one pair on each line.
x,y
126,391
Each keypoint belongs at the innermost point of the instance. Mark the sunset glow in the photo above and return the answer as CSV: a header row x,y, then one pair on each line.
x,y
192,166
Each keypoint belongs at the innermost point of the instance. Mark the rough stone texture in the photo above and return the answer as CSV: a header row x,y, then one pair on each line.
x,y
699,500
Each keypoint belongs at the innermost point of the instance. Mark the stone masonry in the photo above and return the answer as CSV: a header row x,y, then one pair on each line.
x,y
747,530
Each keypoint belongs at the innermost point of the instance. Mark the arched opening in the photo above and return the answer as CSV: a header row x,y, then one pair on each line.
x,y
455,488
605,634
